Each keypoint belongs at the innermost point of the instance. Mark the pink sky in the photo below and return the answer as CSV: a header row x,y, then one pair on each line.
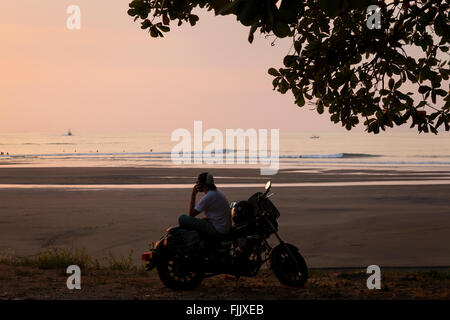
x,y
111,76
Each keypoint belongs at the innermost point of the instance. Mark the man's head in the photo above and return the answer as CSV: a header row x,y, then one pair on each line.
x,y
205,180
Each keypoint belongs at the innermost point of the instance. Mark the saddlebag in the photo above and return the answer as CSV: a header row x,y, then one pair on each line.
x,y
181,240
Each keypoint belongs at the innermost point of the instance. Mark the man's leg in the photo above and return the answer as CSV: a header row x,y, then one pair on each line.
x,y
202,226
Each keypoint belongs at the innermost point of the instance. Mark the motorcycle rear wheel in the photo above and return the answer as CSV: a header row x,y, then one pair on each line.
x,y
174,274
289,272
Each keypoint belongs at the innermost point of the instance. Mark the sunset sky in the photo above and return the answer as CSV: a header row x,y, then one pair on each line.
x,y
112,76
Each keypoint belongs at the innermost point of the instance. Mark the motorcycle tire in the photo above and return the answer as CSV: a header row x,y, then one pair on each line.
x,y
171,271
290,273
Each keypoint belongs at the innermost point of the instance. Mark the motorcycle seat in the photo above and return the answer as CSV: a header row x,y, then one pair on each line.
x,y
174,228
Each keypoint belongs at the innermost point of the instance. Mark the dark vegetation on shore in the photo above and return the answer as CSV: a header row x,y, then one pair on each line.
x,y
43,277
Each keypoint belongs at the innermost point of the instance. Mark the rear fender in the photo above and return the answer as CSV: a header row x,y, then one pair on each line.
x,y
151,257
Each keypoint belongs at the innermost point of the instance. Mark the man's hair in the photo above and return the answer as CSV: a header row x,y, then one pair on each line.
x,y
207,179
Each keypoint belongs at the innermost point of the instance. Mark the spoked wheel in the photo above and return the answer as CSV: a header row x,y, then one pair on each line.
x,y
175,273
289,272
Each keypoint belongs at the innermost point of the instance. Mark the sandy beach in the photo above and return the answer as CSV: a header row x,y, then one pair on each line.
x,y
334,226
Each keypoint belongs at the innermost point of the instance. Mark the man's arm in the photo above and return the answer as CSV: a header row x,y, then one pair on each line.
x,y
192,211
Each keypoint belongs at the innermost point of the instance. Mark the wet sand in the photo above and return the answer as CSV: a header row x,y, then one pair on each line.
x,y
334,226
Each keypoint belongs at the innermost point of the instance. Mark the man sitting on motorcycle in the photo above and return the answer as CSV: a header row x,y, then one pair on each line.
x,y
214,204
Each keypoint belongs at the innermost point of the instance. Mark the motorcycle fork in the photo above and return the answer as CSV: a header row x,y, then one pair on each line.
x,y
282,242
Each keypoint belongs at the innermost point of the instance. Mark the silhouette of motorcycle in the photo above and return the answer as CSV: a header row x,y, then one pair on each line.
x,y
184,258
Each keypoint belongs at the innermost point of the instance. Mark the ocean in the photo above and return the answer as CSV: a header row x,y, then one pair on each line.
x,y
404,149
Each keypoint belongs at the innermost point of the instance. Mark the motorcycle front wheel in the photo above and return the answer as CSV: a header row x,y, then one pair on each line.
x,y
175,272
289,272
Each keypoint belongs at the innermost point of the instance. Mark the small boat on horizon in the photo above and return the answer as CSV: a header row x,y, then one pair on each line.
x,y
69,133
314,137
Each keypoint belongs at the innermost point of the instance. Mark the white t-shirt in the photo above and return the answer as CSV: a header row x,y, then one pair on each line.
x,y
217,210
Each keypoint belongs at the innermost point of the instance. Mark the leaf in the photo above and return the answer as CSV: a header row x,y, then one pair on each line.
x,y
335,118
193,19
274,72
164,28
290,60
319,106
230,8
268,17
300,101
288,10
251,32
424,89
281,29
153,32
146,24
283,86
165,19
421,104
440,121
248,12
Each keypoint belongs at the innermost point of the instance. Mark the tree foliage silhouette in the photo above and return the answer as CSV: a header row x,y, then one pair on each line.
x,y
386,77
